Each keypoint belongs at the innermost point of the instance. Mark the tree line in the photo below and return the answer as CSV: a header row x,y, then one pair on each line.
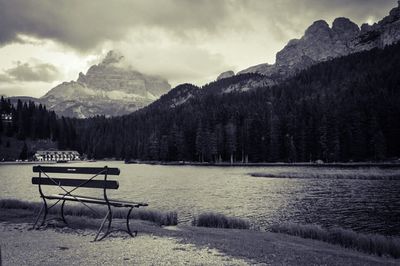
x,y
33,121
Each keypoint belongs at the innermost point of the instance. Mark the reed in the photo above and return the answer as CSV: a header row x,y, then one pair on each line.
x,y
217,220
331,173
367,243
156,216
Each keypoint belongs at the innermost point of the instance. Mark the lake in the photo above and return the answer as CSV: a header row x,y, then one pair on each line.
x,y
362,205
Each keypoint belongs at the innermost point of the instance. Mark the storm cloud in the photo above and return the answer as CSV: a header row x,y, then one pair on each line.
x,y
85,24
181,40
31,72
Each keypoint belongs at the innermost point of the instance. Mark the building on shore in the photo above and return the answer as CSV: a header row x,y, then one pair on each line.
x,y
56,155
6,117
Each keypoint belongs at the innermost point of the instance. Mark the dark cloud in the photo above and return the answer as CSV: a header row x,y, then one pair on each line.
x,y
181,40
31,72
85,24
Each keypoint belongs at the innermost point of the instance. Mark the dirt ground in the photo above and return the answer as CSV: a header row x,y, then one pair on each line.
x,y
60,247
154,245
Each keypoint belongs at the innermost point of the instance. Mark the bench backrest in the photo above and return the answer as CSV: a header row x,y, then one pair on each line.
x,y
45,179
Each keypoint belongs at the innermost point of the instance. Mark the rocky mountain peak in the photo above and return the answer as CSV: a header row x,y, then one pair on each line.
x,y
317,29
109,88
365,27
226,74
320,43
395,12
345,28
112,57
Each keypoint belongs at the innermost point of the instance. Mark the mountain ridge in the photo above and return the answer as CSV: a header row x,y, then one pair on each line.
x,y
321,42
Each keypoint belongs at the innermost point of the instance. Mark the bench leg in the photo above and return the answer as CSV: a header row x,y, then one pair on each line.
x,y
62,213
127,224
38,216
45,209
102,225
108,231
45,213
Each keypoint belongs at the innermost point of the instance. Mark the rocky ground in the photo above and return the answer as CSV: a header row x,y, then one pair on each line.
x,y
154,245
21,246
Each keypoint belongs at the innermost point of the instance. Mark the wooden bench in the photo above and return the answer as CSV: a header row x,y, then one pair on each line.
x,y
45,178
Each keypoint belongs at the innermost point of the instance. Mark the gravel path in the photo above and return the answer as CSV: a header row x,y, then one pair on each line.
x,y
21,246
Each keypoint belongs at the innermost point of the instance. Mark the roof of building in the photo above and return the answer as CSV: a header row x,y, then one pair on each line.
x,y
57,152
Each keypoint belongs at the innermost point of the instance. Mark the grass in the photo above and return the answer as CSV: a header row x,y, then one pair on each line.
x,y
367,243
217,220
155,216
332,173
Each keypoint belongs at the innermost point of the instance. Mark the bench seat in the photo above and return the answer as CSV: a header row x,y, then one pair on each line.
x,y
78,198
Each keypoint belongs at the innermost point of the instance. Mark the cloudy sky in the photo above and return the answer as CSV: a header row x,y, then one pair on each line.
x,y
45,42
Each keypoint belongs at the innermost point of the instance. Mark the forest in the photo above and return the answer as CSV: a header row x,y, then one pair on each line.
x,y
345,109
30,121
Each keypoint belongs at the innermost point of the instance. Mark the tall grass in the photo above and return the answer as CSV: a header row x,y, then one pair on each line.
x,y
19,204
333,173
368,243
158,217
217,220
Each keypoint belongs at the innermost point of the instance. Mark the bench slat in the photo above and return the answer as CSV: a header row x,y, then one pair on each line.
x,y
111,200
115,203
75,170
109,184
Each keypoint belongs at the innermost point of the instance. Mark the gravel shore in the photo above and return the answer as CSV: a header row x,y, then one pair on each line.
x,y
66,247
155,245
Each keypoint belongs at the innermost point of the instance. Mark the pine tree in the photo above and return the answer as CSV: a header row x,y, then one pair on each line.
x,y
24,152
164,148
323,139
291,149
230,131
379,146
154,147
200,140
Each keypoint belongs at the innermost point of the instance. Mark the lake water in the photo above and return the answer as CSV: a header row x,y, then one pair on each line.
x,y
361,205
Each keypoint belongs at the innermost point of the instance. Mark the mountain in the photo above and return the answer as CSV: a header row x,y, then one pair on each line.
x,y
321,43
177,96
110,88
341,110
226,74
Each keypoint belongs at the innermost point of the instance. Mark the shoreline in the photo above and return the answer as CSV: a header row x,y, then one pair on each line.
x,y
223,164
216,246
316,165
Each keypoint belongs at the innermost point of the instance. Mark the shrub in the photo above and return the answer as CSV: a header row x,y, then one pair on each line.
x,y
217,220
